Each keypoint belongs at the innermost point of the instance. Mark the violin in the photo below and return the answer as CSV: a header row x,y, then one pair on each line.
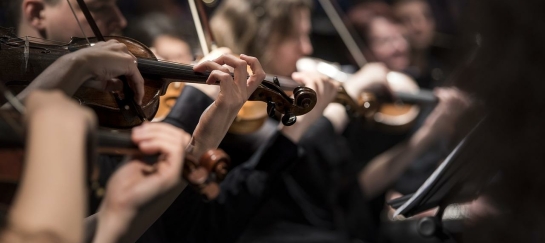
x,y
24,60
204,174
395,113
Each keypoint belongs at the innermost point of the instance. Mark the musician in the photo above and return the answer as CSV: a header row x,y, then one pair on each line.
x,y
310,197
160,33
52,19
53,181
428,48
51,202
259,171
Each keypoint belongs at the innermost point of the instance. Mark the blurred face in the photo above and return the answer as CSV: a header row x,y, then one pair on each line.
x,y
388,45
173,49
292,48
60,24
417,18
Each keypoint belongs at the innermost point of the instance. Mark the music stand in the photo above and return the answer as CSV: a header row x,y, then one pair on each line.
x,y
456,180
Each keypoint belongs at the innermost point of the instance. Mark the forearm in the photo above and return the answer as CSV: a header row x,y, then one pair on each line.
x,y
53,185
336,114
67,75
119,225
384,169
213,125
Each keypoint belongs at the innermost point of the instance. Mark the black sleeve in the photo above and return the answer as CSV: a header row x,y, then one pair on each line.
x,y
188,109
190,219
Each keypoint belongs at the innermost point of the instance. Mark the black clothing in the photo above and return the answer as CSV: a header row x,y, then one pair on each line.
x,y
190,218
309,204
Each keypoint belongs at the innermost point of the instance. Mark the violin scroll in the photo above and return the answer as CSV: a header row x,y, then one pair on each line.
x,y
277,101
206,175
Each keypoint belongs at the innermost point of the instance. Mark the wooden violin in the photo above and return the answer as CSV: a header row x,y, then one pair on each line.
x,y
204,174
394,114
24,60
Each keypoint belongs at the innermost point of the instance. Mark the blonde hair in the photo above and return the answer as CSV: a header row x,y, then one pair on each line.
x,y
252,27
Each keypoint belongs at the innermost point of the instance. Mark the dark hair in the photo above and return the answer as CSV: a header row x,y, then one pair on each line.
x,y
14,13
362,15
147,28
250,26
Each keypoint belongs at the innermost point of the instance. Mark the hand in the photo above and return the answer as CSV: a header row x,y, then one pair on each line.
x,y
452,104
136,183
216,53
211,91
326,90
234,91
371,77
107,60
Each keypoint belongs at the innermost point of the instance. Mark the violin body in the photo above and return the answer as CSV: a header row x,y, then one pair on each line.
x,y
204,174
379,112
17,73
167,101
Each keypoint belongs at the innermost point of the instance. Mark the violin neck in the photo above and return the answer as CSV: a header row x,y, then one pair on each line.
x,y
184,73
171,71
287,84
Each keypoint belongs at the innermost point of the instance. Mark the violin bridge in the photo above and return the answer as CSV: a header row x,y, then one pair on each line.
x,y
26,53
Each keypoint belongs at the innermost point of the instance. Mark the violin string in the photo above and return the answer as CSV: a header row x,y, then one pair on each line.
x,y
79,24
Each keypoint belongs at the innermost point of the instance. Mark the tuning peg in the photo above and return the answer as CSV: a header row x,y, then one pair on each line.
x,y
289,119
271,109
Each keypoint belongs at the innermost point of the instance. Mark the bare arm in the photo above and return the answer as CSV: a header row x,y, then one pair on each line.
x,y
53,185
372,76
138,193
219,116
125,219
384,169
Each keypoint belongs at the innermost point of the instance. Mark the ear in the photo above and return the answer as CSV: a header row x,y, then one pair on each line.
x,y
33,13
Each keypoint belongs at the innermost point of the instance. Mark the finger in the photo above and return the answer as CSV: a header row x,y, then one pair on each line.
x,y
238,64
148,131
136,80
114,85
171,160
95,84
300,78
296,77
225,80
258,75
118,46
111,41
209,66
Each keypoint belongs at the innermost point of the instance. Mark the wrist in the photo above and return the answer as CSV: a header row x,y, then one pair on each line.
x,y
227,108
112,224
80,64
337,115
